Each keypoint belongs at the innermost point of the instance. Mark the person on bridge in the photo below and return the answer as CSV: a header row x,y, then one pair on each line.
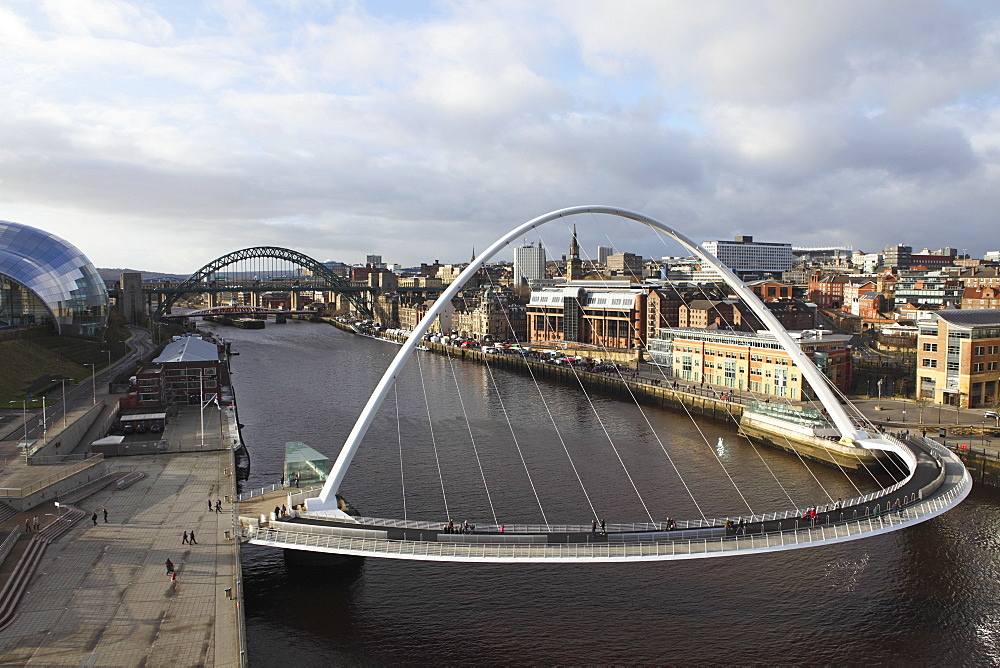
x,y
604,531
593,527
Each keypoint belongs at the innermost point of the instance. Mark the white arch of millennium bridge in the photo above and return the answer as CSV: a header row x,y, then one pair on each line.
x,y
695,539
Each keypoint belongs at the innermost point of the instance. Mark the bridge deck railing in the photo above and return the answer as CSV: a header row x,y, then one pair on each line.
x,y
698,547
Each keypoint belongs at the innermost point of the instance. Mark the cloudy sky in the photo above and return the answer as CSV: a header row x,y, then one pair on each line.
x,y
160,134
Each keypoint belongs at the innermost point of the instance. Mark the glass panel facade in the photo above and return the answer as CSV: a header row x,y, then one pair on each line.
x,y
310,465
44,278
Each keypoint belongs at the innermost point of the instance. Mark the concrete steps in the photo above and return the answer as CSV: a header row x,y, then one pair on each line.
x,y
28,563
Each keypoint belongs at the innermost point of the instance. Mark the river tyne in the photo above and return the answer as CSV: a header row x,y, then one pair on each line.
x,y
928,595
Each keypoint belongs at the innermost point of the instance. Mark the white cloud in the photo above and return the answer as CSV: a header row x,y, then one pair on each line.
x,y
337,131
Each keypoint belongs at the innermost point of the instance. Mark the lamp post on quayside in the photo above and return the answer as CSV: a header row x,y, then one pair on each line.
x,y
64,399
108,351
93,379
24,414
878,404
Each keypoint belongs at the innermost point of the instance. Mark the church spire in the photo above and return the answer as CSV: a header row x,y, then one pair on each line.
x,y
574,263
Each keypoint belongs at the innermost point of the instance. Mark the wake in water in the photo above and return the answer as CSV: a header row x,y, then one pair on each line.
x,y
844,575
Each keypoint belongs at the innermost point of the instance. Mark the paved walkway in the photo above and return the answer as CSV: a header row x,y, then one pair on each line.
x,y
101,595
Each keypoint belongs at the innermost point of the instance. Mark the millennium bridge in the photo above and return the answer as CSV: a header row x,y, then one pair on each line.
x,y
933,481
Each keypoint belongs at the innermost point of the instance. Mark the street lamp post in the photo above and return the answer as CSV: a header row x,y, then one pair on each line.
x,y
108,351
904,415
878,404
64,399
93,379
24,415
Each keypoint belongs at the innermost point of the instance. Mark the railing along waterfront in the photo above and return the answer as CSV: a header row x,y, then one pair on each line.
x,y
21,492
361,546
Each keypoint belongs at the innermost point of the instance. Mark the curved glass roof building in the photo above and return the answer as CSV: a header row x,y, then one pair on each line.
x,y
46,279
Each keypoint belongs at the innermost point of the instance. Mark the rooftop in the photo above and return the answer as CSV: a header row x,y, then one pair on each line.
x,y
189,349
972,317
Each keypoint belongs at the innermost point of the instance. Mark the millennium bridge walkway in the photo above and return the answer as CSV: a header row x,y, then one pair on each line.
x,y
938,483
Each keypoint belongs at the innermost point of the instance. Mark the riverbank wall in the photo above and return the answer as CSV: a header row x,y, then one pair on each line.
x,y
983,464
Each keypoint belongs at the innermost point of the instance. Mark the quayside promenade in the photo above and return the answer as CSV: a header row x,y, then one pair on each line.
x,y
99,595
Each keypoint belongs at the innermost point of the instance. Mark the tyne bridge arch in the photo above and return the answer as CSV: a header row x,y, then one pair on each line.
x,y
263,269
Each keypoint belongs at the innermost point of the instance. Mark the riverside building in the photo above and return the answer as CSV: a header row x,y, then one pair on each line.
x,y
958,358
745,361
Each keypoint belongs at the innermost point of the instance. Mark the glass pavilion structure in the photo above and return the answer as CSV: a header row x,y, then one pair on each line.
x,y
45,279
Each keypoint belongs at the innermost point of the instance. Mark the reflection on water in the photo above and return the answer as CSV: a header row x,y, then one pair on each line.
x,y
927,595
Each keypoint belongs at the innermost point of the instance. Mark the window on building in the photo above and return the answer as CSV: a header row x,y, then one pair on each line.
x,y
730,372
686,367
979,350
991,366
927,361
993,350
977,367
930,347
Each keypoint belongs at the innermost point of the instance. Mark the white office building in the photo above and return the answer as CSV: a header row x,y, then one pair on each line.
x,y
529,263
746,256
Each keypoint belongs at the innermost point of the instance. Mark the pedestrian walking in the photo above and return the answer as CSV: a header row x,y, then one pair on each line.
x,y
93,518
604,531
218,505
170,567
184,540
191,538
27,525
34,523
296,479
105,515
593,527
209,504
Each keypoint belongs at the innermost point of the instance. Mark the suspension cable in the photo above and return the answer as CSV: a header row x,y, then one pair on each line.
x,y
472,438
656,436
430,424
399,436
809,399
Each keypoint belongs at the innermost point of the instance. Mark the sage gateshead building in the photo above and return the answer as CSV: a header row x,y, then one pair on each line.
x,y
45,279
